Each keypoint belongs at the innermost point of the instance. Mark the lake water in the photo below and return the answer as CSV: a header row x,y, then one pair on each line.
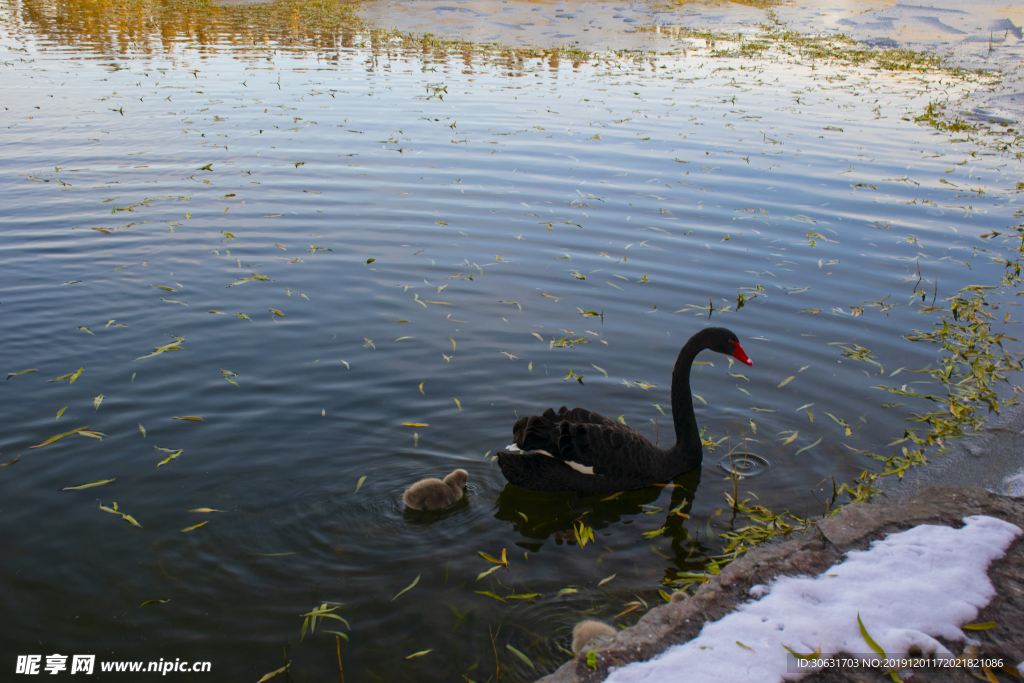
x,y
346,232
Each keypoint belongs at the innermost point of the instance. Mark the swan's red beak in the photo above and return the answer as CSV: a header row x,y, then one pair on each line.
x,y
739,354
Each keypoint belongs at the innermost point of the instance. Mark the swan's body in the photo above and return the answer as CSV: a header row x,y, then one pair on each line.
x,y
434,494
577,450
586,631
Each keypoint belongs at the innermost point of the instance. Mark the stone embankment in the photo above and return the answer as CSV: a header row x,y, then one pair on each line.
x,y
821,546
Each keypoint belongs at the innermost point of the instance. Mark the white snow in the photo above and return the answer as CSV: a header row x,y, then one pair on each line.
x,y
907,588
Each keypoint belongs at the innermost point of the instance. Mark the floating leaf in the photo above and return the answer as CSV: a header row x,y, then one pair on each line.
x,y
61,412
267,677
503,561
85,329
521,656
194,526
189,417
60,436
153,602
567,591
606,580
786,381
420,653
21,372
98,482
522,596
808,447
359,484
490,594
415,581
143,430
173,455
457,403
415,424
488,571
96,402
205,510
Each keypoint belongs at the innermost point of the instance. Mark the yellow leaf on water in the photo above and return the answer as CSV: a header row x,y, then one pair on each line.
x,y
267,677
556,298
274,310
91,484
421,388
485,573
131,520
359,484
61,412
195,526
60,436
606,580
420,653
189,417
205,510
786,381
537,336
453,343
415,424
503,562
96,402
457,403
791,438
21,372
153,602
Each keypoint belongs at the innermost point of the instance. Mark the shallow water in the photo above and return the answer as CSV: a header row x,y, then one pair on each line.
x,y
422,216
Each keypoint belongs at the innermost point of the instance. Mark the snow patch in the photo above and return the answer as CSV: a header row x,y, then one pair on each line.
x,y
908,588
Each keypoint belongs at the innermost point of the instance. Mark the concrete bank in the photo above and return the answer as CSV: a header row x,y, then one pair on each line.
x,y
853,528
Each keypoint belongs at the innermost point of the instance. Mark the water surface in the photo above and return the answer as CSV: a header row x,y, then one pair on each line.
x,y
346,233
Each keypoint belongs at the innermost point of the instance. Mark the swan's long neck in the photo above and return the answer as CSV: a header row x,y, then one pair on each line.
x,y
687,433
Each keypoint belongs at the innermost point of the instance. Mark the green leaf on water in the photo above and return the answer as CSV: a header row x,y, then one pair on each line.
x,y
524,596
417,580
143,430
195,526
61,412
21,372
808,447
99,482
153,602
567,591
490,594
359,484
420,653
521,656
606,580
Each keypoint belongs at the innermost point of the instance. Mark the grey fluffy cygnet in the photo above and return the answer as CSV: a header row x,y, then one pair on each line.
x,y
434,494
678,597
588,630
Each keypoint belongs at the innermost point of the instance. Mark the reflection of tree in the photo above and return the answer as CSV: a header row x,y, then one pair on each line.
x,y
139,27
539,515
121,26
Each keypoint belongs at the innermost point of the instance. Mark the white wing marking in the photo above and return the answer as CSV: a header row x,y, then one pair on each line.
x,y
579,468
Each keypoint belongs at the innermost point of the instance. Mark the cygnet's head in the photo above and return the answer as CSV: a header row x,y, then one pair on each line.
x,y
457,478
678,596
586,631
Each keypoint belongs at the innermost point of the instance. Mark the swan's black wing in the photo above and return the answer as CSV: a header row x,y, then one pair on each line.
x,y
577,450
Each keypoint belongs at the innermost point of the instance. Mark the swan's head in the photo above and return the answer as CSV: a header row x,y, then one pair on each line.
x,y
457,478
725,341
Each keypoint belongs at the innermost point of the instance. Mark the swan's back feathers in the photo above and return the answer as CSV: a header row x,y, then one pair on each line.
x,y
586,452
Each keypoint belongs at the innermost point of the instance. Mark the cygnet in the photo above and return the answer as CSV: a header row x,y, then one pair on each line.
x,y
588,630
434,494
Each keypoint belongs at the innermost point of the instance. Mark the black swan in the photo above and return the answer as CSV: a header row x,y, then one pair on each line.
x,y
586,631
577,450
434,494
